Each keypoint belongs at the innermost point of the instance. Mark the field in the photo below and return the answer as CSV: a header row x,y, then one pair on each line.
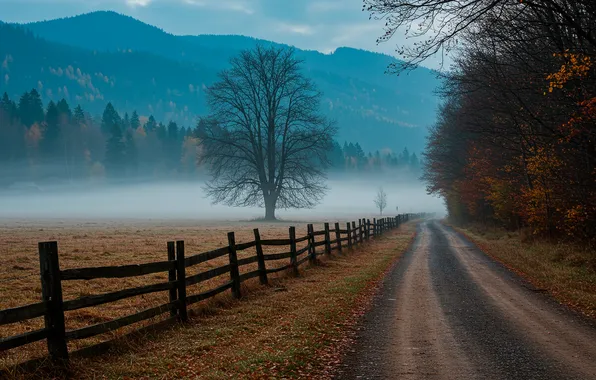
x,y
104,242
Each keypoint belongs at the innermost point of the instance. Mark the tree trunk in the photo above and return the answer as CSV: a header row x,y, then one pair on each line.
x,y
270,207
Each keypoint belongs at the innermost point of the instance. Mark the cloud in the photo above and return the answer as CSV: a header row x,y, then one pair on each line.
x,y
234,6
325,6
302,29
137,3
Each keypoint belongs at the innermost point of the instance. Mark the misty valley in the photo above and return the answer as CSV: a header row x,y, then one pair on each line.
x,y
313,189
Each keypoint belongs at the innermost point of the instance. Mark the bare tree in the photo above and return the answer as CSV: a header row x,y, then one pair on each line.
x,y
266,142
438,26
381,200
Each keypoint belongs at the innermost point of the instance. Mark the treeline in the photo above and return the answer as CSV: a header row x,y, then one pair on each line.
x,y
352,158
515,142
56,143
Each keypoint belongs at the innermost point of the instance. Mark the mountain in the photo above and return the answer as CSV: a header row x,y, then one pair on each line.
x,y
105,56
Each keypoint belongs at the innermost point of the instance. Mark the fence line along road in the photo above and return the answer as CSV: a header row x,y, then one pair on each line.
x,y
52,306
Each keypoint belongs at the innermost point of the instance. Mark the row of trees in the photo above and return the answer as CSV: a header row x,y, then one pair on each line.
x,y
58,142
515,141
352,158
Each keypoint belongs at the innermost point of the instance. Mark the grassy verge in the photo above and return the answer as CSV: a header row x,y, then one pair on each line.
x,y
566,271
294,328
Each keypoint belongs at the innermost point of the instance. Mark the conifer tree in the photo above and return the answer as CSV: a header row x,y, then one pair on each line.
x,y
132,156
79,115
31,108
135,123
150,125
64,111
50,142
125,122
110,119
115,153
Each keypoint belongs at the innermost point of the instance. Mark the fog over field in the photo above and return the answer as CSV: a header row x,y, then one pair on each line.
x,y
186,200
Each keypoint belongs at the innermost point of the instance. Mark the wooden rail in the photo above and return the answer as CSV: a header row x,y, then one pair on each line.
x,y
52,306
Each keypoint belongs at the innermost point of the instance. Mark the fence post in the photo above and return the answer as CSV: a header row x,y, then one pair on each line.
x,y
360,230
327,240
260,258
367,229
354,236
311,242
51,292
374,227
349,236
172,275
293,258
181,278
338,237
234,274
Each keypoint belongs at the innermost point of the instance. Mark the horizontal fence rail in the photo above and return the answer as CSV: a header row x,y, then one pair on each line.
x,y
52,306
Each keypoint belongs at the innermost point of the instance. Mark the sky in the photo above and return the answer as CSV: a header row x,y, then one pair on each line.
x,y
321,25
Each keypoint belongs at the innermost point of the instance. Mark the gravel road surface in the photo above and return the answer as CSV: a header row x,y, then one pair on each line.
x,y
447,311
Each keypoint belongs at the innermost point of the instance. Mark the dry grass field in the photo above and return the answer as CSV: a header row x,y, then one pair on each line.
x,y
104,242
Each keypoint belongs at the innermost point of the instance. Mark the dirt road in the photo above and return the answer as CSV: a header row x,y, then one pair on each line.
x,y
447,311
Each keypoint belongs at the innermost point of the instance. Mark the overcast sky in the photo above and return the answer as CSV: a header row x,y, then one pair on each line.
x,y
321,25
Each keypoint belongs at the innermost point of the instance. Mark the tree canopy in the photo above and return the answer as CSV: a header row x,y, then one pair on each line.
x,y
266,141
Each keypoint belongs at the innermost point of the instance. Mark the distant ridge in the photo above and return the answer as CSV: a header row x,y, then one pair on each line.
x,y
139,66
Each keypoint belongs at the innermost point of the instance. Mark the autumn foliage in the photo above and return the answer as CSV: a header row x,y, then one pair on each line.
x,y
515,140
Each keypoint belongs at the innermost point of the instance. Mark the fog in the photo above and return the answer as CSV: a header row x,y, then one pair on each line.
x,y
184,200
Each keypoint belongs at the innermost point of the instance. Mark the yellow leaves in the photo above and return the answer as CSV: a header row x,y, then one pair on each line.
x,y
576,66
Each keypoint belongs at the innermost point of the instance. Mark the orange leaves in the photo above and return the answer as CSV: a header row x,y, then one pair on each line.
x,y
576,66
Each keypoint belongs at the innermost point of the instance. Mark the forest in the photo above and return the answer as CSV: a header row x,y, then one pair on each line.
x,y
103,57
57,143
515,142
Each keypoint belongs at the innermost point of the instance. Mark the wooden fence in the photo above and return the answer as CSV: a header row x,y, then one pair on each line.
x,y
52,306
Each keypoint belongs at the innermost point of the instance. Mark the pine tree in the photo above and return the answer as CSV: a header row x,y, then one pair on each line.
x,y
161,132
115,153
5,104
64,110
336,156
414,163
132,155
79,115
125,122
110,119
151,124
49,145
12,133
31,108
173,146
359,155
405,157
135,123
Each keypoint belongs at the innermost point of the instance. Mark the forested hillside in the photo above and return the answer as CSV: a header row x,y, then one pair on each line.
x,y
58,142
137,66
